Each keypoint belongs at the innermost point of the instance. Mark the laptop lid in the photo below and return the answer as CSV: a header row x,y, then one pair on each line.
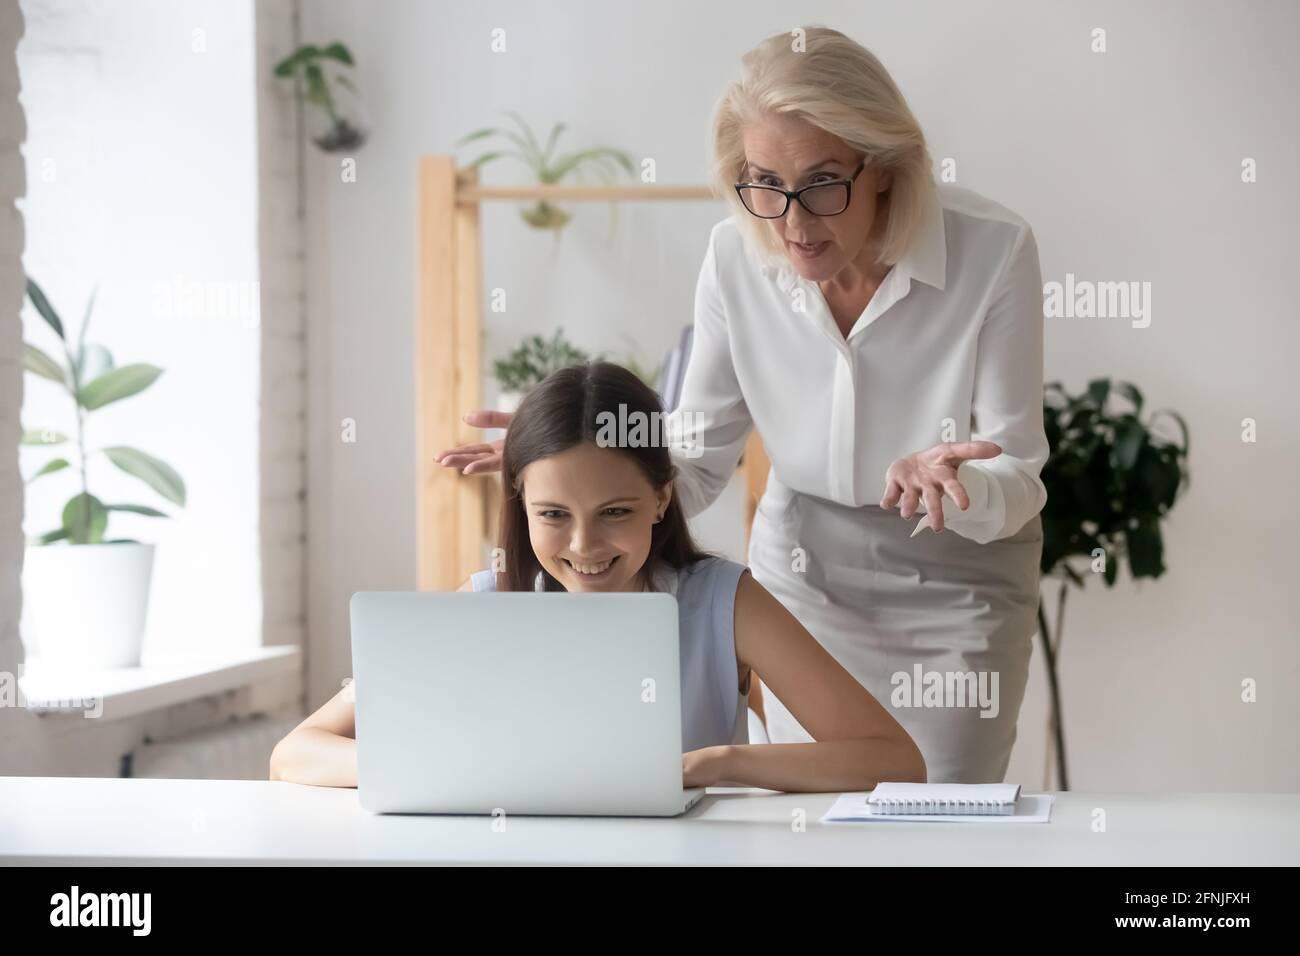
x,y
513,702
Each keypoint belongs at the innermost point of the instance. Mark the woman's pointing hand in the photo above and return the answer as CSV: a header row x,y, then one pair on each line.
x,y
481,458
926,475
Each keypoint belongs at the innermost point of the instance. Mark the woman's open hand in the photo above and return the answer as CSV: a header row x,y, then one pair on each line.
x,y
926,475
482,458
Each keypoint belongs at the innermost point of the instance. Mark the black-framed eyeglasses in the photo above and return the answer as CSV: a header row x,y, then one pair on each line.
x,y
821,199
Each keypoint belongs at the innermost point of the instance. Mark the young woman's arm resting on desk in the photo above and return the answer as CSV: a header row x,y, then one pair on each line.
x,y
857,742
322,750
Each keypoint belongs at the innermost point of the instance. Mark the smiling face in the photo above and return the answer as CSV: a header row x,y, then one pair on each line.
x,y
791,153
591,509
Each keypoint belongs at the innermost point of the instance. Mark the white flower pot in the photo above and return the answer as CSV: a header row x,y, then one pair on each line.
x,y
509,401
84,605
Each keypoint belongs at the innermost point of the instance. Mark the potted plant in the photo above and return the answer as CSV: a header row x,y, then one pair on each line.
x,y
547,167
530,362
337,124
85,595
1110,481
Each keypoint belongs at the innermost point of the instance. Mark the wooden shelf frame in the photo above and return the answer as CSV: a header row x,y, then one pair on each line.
x,y
454,511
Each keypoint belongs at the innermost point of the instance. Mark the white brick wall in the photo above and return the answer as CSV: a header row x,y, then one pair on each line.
x,y
56,745
283,417
13,185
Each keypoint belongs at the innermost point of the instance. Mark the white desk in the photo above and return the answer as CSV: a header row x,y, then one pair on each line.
x,y
83,820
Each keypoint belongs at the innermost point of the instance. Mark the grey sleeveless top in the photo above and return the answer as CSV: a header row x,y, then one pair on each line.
x,y
714,709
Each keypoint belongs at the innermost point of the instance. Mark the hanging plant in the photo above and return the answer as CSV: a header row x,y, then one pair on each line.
x,y
549,168
336,122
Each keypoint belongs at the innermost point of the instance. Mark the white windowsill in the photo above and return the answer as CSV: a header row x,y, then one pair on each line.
x,y
128,691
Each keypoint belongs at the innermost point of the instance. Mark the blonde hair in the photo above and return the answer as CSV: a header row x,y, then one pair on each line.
x,y
839,86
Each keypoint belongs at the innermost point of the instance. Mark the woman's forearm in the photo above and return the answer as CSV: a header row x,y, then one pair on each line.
x,y
821,767
317,757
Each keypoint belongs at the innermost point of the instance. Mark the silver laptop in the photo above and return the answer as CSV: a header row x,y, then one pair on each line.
x,y
518,703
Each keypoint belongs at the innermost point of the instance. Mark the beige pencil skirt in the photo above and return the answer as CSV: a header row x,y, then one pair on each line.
x,y
938,627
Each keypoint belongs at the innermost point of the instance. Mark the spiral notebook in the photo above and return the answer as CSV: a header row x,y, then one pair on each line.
x,y
942,802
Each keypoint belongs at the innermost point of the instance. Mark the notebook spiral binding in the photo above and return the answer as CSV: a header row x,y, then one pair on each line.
x,y
939,805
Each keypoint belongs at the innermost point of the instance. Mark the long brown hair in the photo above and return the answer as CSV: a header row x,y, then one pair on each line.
x,y
561,412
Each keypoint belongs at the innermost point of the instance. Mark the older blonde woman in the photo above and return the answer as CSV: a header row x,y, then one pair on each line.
x,y
885,336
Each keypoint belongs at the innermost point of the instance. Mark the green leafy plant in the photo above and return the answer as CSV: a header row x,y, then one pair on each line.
x,y
546,166
1110,480
321,69
534,359
91,380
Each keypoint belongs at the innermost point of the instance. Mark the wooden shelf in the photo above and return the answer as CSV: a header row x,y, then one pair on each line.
x,y
454,512
469,194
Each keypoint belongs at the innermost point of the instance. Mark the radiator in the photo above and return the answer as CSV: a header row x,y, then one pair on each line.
x,y
237,751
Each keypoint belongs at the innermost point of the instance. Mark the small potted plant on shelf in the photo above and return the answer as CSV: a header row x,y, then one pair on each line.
x,y
337,124
549,168
530,362
85,595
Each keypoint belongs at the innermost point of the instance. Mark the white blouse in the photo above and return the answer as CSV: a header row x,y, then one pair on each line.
x,y
950,348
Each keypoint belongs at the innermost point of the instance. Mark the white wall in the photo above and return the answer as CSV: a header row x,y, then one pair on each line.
x,y
1127,165
142,176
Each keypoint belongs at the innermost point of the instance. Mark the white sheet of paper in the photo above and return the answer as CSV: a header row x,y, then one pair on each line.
x,y
852,808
